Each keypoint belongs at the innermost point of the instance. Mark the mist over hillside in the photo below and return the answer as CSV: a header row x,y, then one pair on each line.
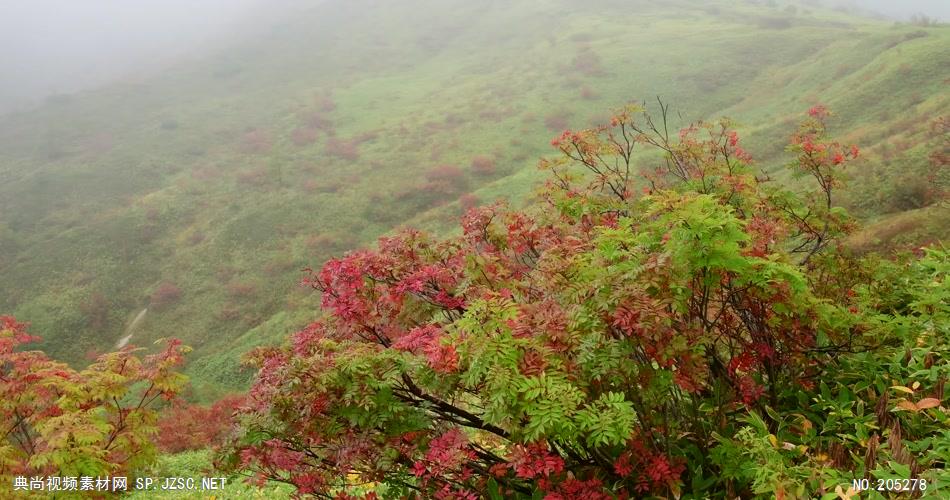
x,y
50,47
903,11
201,191
464,249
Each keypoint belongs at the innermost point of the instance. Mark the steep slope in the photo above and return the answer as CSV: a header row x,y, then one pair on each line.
x,y
199,195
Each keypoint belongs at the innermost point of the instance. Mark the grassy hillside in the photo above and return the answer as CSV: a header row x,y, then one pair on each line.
x,y
200,194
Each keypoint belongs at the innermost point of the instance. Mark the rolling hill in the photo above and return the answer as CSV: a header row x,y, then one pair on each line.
x,y
197,196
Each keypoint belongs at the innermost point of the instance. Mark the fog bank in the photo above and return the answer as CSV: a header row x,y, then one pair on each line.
x,y
903,9
60,46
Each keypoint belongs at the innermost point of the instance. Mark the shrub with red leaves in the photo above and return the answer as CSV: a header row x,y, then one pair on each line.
x,y
256,141
303,136
468,201
165,294
58,421
600,344
183,427
344,149
557,121
483,166
445,180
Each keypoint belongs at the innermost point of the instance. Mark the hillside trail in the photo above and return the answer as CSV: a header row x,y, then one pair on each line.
x,y
129,330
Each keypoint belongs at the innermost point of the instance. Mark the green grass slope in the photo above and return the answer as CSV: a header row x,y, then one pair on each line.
x,y
201,194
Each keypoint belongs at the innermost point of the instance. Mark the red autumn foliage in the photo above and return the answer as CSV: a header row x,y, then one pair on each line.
x,y
588,63
445,173
96,310
343,149
303,136
256,141
256,177
534,460
445,180
317,120
468,201
585,349
324,103
94,422
165,294
588,93
557,121
183,426
483,166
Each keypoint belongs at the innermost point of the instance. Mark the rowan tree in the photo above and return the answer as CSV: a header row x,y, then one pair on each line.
x,y
626,337
97,421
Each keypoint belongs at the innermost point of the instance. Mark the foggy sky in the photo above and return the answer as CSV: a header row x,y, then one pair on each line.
x,y
61,46
903,9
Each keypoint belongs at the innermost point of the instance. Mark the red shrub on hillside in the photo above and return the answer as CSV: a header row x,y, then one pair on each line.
x,y
96,310
557,122
94,422
483,165
185,427
164,295
588,63
324,103
344,149
539,353
446,173
228,313
468,201
303,136
256,141
445,180
588,93
255,177
316,120
369,136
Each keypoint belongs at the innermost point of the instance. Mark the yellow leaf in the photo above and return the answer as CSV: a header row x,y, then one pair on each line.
x,y
901,388
845,495
773,440
915,386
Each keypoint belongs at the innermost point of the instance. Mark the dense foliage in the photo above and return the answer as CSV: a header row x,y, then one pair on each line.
x,y
184,426
704,335
100,421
